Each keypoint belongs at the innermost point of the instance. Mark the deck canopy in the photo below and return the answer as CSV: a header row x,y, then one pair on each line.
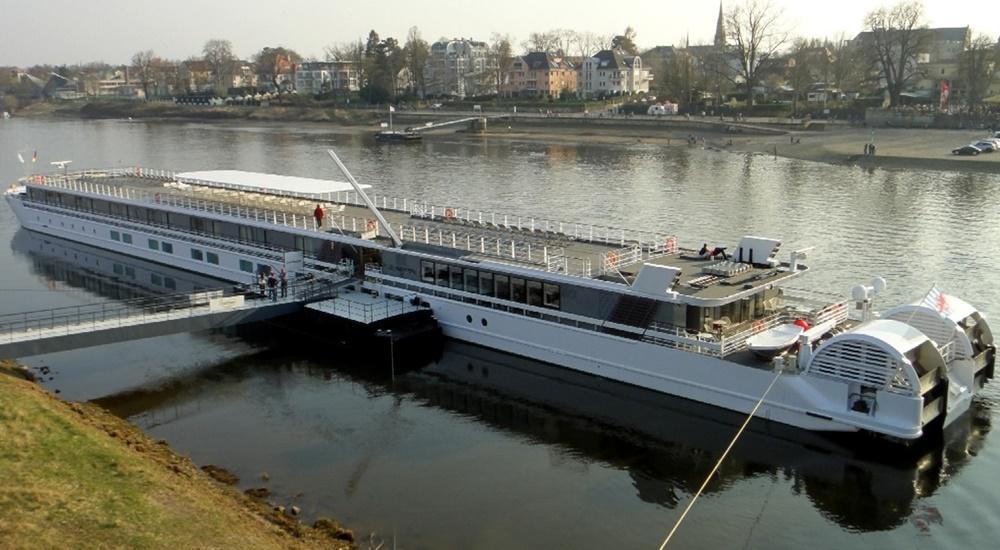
x,y
273,184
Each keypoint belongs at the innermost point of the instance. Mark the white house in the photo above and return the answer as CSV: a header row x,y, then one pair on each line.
x,y
610,72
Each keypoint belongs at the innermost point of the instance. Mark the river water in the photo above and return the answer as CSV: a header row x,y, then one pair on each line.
x,y
483,450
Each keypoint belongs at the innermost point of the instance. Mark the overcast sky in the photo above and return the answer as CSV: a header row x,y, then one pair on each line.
x,y
73,31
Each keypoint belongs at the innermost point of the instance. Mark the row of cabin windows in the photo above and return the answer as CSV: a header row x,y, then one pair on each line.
x,y
153,244
202,256
121,237
486,283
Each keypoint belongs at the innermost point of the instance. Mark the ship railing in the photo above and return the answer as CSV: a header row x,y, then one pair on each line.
x,y
367,312
652,242
615,259
60,321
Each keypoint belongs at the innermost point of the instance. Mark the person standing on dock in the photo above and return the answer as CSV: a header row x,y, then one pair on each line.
x,y
318,214
283,279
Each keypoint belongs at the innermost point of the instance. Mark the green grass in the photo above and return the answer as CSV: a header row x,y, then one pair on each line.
x,y
73,476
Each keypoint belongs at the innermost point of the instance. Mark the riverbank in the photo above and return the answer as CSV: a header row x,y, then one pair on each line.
x,y
160,110
76,476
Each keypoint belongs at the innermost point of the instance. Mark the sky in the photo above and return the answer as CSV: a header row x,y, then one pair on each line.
x,y
76,31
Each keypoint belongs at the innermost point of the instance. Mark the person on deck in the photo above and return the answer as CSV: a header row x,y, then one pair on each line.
x,y
283,279
272,287
318,214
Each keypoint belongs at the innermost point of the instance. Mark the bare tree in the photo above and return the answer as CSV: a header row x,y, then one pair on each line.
x,y
895,36
498,57
354,54
219,55
416,52
799,70
143,63
541,42
845,64
977,66
755,33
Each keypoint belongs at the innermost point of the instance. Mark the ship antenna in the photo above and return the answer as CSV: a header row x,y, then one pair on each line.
x,y
397,242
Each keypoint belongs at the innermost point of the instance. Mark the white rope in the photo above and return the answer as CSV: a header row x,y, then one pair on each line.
x,y
718,464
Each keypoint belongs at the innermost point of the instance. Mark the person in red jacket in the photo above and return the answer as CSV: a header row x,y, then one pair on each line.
x,y
318,214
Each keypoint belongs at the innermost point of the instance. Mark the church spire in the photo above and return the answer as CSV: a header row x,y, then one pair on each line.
x,y
720,30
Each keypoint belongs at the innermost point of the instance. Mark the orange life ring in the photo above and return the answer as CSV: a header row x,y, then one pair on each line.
x,y
756,326
670,244
449,213
611,259
370,225
37,179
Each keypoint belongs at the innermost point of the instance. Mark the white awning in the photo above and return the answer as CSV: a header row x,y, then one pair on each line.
x,y
256,182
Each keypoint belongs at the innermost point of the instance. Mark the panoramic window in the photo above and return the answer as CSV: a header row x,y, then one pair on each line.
x,y
551,296
456,278
443,277
427,272
534,293
471,281
518,293
502,285
486,283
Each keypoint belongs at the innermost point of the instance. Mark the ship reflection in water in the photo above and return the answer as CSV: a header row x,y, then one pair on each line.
x,y
665,445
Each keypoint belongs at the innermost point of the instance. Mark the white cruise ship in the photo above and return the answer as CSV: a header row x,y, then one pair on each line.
x,y
726,329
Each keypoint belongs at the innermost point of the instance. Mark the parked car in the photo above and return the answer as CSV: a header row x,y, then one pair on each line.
x,y
985,145
996,135
966,150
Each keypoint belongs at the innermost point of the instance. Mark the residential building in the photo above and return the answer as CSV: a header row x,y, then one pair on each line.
x,y
539,74
460,67
609,72
938,61
196,76
318,77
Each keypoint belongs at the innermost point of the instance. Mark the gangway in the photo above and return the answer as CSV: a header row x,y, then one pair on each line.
x,y
66,328
436,125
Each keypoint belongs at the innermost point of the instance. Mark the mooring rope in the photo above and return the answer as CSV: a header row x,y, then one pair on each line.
x,y
718,464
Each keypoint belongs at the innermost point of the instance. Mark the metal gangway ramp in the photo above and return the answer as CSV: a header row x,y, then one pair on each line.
x,y
73,327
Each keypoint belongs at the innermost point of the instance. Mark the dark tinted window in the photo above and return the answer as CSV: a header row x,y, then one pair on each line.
x,y
502,285
518,293
427,272
471,281
456,278
552,296
443,277
486,284
534,293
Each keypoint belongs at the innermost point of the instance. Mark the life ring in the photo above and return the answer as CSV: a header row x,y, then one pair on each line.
x,y
370,225
756,326
670,244
37,179
449,213
611,259
138,172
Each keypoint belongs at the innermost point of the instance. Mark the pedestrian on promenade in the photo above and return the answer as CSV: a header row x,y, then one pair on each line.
x,y
272,287
872,149
283,277
318,214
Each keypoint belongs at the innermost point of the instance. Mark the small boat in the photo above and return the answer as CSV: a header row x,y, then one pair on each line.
x,y
397,136
775,341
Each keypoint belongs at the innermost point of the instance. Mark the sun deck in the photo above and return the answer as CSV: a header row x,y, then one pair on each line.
x,y
589,251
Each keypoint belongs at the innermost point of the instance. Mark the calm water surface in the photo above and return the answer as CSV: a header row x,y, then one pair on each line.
x,y
480,449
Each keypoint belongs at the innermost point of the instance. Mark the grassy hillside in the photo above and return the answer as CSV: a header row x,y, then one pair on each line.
x,y
72,476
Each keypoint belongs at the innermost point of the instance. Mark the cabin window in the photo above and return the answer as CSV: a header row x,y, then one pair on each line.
x,y
502,285
300,243
127,238
167,247
259,235
197,254
518,292
130,272
169,283
118,269
246,235
456,278
443,277
246,266
471,281
486,284
116,236
427,272
156,279
212,258
153,244
197,224
534,293
551,296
